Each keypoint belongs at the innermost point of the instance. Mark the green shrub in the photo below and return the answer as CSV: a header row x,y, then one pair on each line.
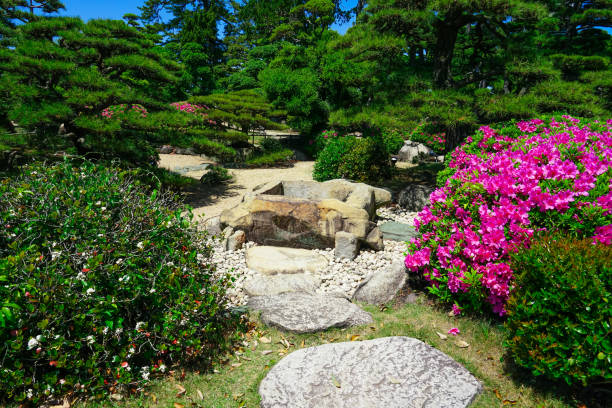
x,y
269,145
103,284
215,175
393,140
560,315
271,159
363,159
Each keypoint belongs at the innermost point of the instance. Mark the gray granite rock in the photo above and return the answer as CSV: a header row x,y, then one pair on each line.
x,y
375,239
414,197
390,372
213,226
269,260
381,287
263,285
347,246
396,231
235,241
411,151
306,313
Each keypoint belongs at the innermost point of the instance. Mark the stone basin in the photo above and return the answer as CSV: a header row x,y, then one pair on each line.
x,y
308,214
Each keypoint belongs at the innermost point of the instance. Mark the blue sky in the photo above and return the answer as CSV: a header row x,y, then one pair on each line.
x,y
115,9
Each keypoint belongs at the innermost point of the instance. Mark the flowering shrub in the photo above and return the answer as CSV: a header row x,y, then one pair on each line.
x,y
560,314
123,110
188,107
500,188
102,284
426,133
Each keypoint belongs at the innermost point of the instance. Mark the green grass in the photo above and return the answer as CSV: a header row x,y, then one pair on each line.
x,y
235,380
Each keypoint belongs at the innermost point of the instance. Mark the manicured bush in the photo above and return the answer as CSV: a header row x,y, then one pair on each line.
x,y
103,284
275,158
430,136
560,315
359,159
393,140
500,188
215,175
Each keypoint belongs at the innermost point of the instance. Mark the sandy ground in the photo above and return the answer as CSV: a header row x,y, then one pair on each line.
x,y
209,202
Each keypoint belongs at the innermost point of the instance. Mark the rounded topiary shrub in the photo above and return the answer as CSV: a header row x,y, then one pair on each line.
x,y
560,315
502,187
103,284
359,159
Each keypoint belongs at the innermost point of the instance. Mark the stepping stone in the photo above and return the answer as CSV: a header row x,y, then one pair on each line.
x,y
269,260
307,313
396,231
382,286
390,372
264,285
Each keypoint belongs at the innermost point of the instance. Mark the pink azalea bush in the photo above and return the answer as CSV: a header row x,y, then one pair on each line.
x,y
117,111
502,187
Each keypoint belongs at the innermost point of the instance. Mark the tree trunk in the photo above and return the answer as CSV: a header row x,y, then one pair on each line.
x,y
455,136
443,54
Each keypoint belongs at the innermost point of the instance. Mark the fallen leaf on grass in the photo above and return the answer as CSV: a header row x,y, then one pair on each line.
x,y
177,405
181,390
462,344
236,365
442,336
200,395
354,337
266,352
335,382
116,397
303,343
509,402
498,395
238,396
265,340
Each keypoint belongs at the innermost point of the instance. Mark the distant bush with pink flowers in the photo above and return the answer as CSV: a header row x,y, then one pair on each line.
x,y
501,188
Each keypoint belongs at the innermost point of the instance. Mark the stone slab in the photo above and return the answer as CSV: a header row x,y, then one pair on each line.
x,y
269,260
396,231
382,286
390,372
306,313
263,285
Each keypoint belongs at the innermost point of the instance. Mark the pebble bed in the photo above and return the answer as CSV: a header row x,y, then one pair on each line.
x,y
341,277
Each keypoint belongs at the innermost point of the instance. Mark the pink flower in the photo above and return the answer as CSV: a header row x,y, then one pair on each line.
x,y
454,331
456,310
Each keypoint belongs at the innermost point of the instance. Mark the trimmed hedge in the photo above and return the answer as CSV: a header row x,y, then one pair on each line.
x,y
103,284
560,315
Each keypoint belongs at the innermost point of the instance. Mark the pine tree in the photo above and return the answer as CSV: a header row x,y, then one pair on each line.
x,y
95,87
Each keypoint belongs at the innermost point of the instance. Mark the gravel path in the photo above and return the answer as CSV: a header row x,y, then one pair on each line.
x,y
209,202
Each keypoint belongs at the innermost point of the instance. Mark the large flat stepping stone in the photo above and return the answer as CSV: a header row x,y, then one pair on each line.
x,y
268,285
396,231
308,313
269,260
390,372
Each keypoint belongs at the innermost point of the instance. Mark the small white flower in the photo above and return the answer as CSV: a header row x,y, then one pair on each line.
x,y
105,330
132,350
90,339
90,291
62,381
118,331
184,322
98,203
119,261
39,337
140,245
103,209
139,325
80,276
162,368
32,343
30,393
152,290
145,373
100,235
55,255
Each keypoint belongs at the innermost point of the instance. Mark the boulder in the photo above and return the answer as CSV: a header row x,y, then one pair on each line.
x,y
347,246
235,241
264,285
307,313
412,150
414,197
396,231
389,372
382,286
166,149
269,260
375,239
213,226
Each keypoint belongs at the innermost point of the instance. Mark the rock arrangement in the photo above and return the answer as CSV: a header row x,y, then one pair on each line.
x,y
390,372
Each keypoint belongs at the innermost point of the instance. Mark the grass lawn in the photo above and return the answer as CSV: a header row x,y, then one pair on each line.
x,y
234,382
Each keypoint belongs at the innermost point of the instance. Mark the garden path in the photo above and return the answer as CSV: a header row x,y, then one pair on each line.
x,y
210,201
